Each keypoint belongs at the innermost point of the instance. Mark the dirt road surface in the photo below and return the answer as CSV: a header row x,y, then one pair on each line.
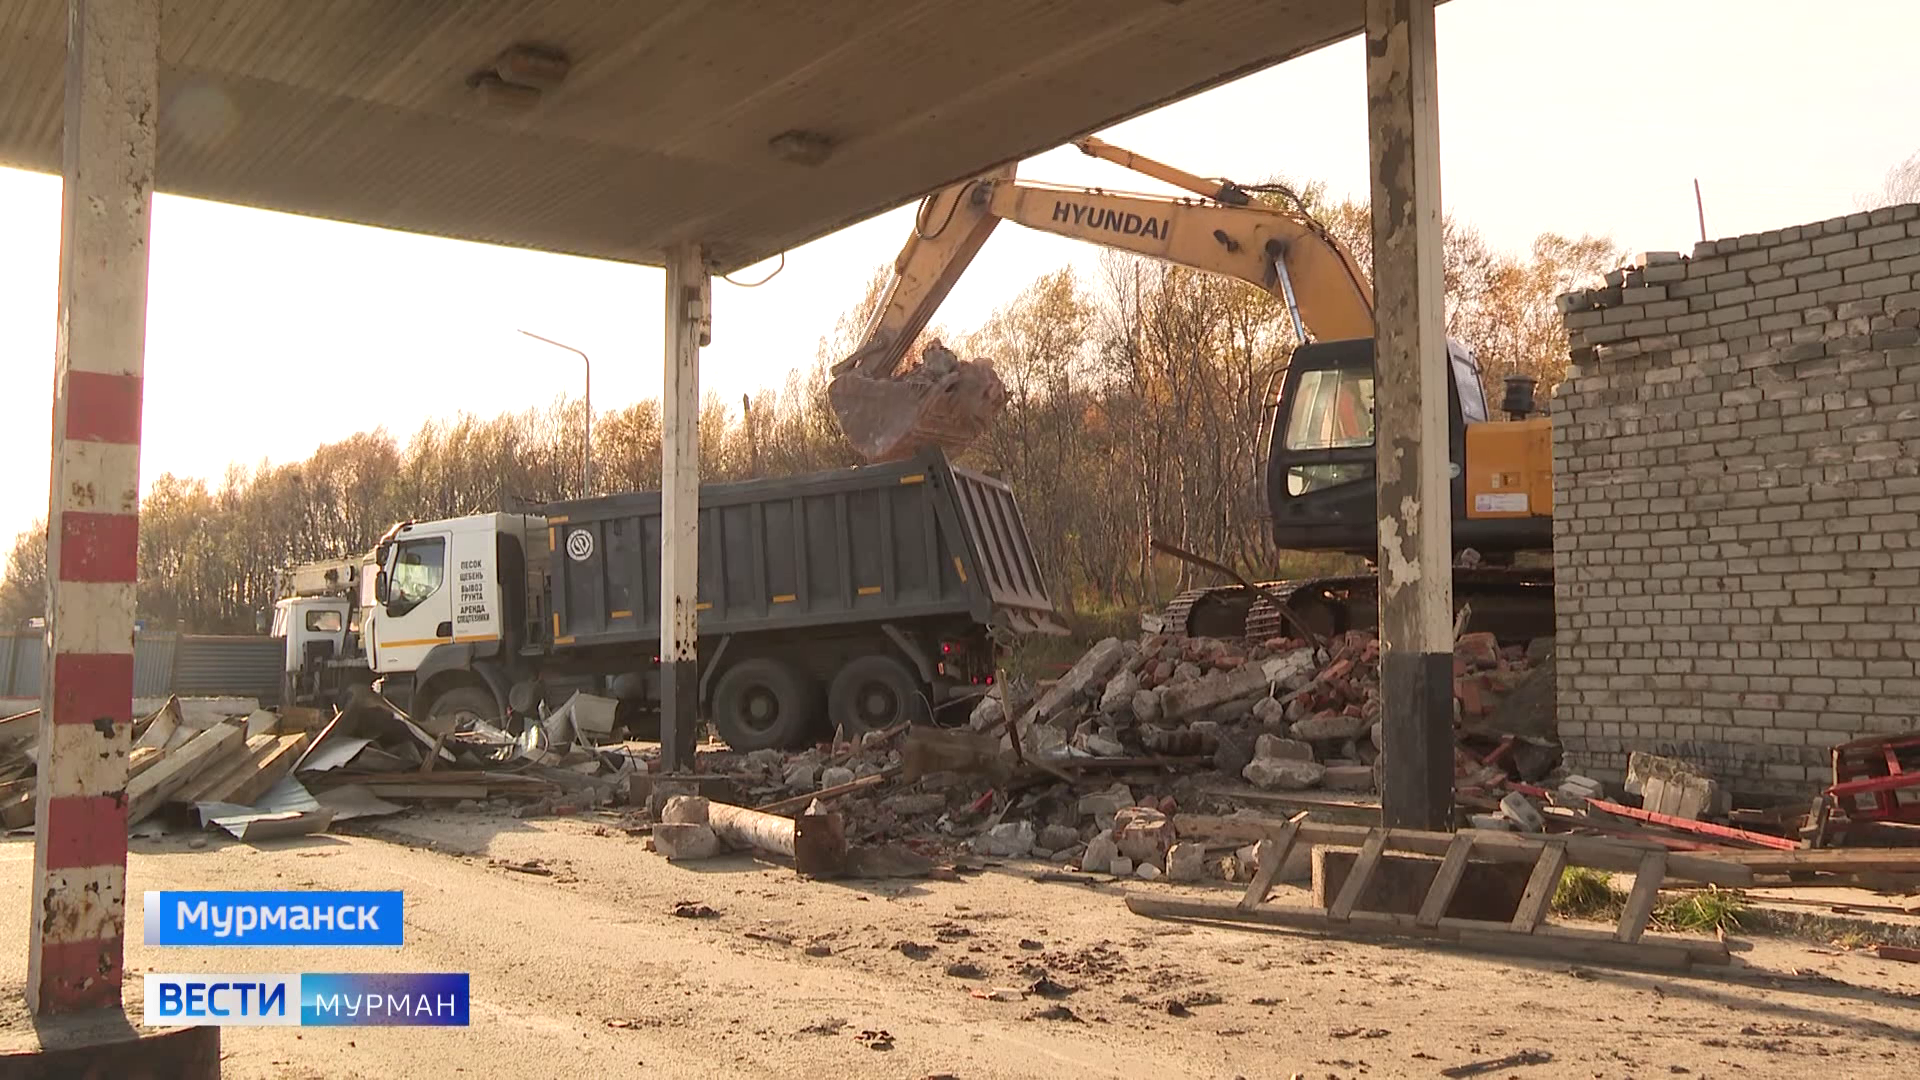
x,y
586,972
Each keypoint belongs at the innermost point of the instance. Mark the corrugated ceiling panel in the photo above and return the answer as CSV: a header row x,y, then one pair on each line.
x,y
358,109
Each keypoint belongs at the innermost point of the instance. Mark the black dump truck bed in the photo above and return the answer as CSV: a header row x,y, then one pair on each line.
x,y
898,541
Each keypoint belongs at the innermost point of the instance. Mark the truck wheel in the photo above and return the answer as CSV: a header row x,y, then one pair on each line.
x,y
461,705
872,693
763,704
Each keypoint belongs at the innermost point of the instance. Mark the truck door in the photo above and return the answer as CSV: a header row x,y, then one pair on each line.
x,y
418,613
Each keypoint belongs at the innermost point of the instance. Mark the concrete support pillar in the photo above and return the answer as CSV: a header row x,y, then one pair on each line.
x,y
1411,409
689,326
86,709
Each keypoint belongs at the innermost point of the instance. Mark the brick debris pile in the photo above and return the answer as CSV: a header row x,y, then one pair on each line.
x,y
1087,771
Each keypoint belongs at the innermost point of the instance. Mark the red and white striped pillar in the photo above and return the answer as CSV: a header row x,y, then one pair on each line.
x,y
86,721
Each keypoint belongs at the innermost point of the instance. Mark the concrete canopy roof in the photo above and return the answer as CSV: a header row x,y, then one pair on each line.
x,y
662,129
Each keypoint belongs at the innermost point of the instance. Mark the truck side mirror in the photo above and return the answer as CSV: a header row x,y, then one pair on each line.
x,y
380,586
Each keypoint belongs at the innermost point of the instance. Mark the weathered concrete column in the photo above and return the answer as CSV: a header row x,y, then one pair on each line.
x,y
1410,408
689,326
86,708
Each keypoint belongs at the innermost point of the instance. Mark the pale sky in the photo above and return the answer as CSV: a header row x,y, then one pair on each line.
x,y
269,334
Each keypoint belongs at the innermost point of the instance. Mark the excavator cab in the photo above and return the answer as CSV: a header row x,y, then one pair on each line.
x,y
1320,459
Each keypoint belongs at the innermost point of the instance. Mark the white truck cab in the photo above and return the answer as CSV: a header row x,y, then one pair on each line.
x,y
439,584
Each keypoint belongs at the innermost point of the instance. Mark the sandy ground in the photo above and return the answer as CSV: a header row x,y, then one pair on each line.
x,y
587,973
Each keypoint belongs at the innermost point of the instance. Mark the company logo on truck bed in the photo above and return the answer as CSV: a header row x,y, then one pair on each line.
x,y
579,545
1099,217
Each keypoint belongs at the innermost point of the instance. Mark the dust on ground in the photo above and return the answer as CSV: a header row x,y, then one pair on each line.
x,y
603,959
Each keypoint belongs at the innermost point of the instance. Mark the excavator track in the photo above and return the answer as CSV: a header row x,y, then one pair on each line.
x,y
1514,603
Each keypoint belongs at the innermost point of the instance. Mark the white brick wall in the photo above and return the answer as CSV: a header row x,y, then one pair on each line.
x,y
1737,479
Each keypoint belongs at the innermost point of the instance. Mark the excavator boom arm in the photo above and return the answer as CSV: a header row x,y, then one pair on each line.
x,y
1245,242
887,414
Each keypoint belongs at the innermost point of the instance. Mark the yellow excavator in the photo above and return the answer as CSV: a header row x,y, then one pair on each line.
x,y
1320,455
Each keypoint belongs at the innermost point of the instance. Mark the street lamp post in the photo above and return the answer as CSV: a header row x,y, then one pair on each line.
x,y
586,448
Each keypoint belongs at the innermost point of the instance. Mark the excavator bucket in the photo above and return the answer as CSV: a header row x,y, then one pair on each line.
x,y
942,401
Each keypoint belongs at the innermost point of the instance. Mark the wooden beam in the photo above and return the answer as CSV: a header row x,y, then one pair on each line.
x,y
267,770
1359,876
1565,943
1269,855
1837,860
228,771
148,791
1598,853
1446,881
1537,900
1646,889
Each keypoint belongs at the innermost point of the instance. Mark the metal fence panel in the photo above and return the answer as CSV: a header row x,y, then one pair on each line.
x,y
207,666
153,655
164,663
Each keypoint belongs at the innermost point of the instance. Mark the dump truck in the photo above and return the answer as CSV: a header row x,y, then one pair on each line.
x,y
847,600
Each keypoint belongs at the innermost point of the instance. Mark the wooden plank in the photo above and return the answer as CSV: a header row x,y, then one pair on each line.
x,y
146,792
1646,889
1446,881
142,759
276,763
1668,954
1269,856
1266,864
1591,851
1360,876
1704,828
1544,882
1837,860
226,773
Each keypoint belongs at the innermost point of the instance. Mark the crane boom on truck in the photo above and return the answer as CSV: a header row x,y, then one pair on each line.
x,y
1318,475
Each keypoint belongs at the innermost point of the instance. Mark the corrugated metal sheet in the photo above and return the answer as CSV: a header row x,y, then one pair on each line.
x,y
359,109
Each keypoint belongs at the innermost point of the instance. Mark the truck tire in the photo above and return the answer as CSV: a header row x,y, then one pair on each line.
x,y
872,693
462,704
763,704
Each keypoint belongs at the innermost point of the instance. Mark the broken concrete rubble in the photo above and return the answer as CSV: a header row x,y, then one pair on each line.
x,y
1273,746
1100,853
1186,700
1087,676
685,841
1330,727
1144,835
1283,774
1186,862
1008,840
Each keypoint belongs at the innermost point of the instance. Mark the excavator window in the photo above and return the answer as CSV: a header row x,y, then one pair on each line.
x,y
1335,412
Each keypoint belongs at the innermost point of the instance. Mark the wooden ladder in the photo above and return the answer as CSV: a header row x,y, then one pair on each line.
x,y
1529,931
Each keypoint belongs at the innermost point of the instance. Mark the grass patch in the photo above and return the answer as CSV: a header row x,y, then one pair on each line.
x,y
1586,893
1702,911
